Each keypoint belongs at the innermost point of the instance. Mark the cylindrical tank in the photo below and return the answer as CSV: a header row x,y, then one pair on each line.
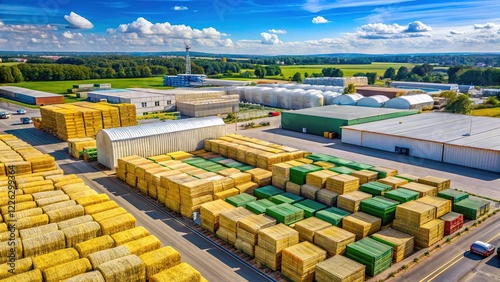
x,y
257,95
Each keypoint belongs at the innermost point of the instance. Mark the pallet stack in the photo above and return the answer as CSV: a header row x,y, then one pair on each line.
x,y
247,231
299,261
376,256
271,242
439,183
76,145
334,240
210,214
228,223
361,224
452,222
422,189
402,244
340,269
69,124
351,201
342,184
308,227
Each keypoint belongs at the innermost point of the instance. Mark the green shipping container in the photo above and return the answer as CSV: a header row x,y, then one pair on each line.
x,y
401,195
310,207
259,206
375,188
285,213
241,200
286,197
332,215
376,256
453,195
267,192
298,173
472,208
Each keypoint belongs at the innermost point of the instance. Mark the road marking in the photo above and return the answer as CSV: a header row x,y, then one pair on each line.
x,y
450,263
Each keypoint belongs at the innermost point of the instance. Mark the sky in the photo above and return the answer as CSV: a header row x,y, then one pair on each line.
x,y
258,27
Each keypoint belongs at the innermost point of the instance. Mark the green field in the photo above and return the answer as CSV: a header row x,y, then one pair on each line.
x,y
9,63
60,87
348,70
493,112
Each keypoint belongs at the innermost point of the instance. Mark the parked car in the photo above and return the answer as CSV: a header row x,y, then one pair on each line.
x,y
26,120
273,114
21,112
482,248
4,115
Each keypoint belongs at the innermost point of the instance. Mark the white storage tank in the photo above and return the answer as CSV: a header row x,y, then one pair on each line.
x,y
376,101
417,102
347,99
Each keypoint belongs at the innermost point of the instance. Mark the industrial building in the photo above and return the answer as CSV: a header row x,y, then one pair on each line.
x,y
337,81
457,139
377,101
203,108
191,80
157,138
491,92
347,99
28,96
425,86
466,89
283,98
332,118
389,92
418,102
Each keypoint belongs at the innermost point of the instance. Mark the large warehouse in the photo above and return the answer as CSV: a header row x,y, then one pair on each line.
x,y
458,139
418,101
389,92
32,97
425,86
332,118
204,108
156,138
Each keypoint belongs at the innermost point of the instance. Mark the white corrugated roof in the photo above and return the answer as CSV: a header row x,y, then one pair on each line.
x,y
416,99
28,92
131,132
378,98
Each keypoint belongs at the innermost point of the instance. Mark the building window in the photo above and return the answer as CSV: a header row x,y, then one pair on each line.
x,y
157,103
144,104
169,102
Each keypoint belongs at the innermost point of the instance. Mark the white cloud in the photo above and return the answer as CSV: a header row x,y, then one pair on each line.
x,y
484,26
385,31
3,40
180,8
277,31
315,6
454,32
417,26
268,38
381,28
35,40
142,26
71,35
78,22
319,20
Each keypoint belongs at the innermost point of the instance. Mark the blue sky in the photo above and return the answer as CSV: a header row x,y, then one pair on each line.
x,y
252,26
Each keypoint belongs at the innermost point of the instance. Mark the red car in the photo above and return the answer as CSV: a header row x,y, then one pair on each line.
x,y
482,248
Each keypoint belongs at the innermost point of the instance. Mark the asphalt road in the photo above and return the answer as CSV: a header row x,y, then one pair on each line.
x,y
214,263
456,263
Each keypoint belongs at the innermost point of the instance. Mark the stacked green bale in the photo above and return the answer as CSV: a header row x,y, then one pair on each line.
x,y
453,195
402,195
342,170
472,208
358,166
266,192
259,206
298,173
375,188
380,207
332,215
319,157
241,200
376,256
310,207
285,213
286,197
340,161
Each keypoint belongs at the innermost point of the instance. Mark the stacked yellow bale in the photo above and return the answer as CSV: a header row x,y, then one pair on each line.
x,y
361,224
422,189
160,158
443,206
342,183
260,176
48,114
169,191
210,212
293,188
327,197
193,195
69,124
318,178
41,163
181,272
309,191
394,182
110,115
340,269
128,115
324,165
243,182
271,242
160,260
76,145
141,171
415,213
352,201
439,183
402,243
247,232
308,227
37,122
228,221
334,239
299,261
365,176
91,118
281,174
179,155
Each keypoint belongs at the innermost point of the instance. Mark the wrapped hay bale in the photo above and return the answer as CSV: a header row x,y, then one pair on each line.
x,y
32,221
394,182
443,206
129,268
82,194
28,178
415,213
46,194
19,207
23,214
58,205
59,178
5,236
309,191
58,185
93,276
22,266
340,269
37,231
101,257
73,188
117,224
226,194
351,201
44,244
439,183
342,183
28,185
143,245
20,198
361,224
299,261
94,245
52,200
66,270
101,207
241,178
108,214
92,200
308,227
159,260
401,243
334,240
65,213
6,248
82,232
228,223
365,176
209,214
74,221
178,273
129,235
29,276
318,178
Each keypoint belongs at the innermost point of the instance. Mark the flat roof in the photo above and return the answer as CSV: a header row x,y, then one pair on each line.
x,y
209,101
28,92
346,112
124,93
184,90
440,127
384,89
